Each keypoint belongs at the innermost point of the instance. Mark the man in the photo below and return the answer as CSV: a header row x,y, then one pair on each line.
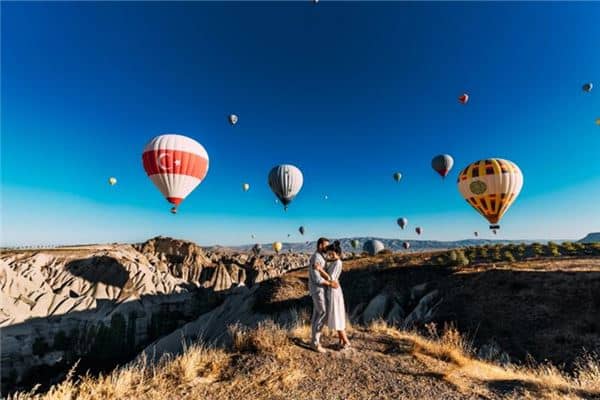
x,y
317,286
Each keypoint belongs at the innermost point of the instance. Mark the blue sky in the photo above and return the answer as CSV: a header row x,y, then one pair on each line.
x,y
348,92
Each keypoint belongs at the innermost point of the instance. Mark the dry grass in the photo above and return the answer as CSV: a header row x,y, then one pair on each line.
x,y
266,362
459,366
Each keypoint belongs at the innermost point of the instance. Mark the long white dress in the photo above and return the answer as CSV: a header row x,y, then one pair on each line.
x,y
336,311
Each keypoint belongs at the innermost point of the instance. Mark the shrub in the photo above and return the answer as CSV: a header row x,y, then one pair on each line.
x,y
508,256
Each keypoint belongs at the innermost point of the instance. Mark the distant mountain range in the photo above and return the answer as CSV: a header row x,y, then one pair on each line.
x,y
391,244
591,238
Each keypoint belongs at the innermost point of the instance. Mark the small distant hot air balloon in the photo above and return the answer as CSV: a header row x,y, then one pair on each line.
x,y
253,236
442,164
233,119
289,234
256,249
476,233
463,98
277,247
301,230
373,247
245,187
402,222
285,181
176,164
112,181
326,197
491,186
355,243
587,87
598,121
406,245
397,176
418,230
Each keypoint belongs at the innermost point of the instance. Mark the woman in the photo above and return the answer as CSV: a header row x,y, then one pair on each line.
x,y
336,311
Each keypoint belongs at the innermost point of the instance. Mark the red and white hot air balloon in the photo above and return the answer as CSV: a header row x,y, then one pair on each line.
x,y
176,164
463,98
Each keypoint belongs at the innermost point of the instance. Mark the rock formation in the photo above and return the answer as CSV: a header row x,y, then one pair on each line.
x,y
58,305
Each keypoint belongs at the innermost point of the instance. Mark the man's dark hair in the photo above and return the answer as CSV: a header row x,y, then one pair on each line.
x,y
321,241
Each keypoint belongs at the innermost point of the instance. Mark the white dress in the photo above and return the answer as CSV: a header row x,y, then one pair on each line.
x,y
336,311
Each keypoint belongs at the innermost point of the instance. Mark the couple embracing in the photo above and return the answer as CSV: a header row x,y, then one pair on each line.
x,y
324,270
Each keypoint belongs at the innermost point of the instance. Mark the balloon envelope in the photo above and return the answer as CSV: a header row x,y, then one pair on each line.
x,y
418,230
463,98
245,187
301,230
491,186
355,243
587,87
277,247
402,222
397,176
406,245
442,164
285,181
256,249
233,119
112,181
176,164
373,247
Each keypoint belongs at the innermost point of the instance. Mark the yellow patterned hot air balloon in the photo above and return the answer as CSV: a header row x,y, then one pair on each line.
x,y
277,247
490,186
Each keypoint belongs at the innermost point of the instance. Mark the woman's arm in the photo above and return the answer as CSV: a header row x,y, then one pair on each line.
x,y
322,272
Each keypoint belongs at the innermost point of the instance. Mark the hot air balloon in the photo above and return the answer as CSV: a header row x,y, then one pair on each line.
x,y
112,181
406,245
397,176
442,164
233,119
491,186
326,197
373,247
301,230
277,247
418,230
245,187
289,234
285,181
253,236
176,164
463,98
587,87
256,249
476,234
402,222
598,121
355,243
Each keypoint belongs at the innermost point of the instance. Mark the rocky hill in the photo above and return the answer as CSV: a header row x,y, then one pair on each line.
x,y
593,237
61,304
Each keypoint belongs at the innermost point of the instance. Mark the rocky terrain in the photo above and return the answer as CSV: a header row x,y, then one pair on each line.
x,y
513,305
103,303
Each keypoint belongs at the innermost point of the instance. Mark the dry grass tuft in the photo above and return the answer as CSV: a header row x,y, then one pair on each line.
x,y
464,371
266,338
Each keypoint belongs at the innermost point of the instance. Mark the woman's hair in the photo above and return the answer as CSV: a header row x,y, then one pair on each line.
x,y
336,247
